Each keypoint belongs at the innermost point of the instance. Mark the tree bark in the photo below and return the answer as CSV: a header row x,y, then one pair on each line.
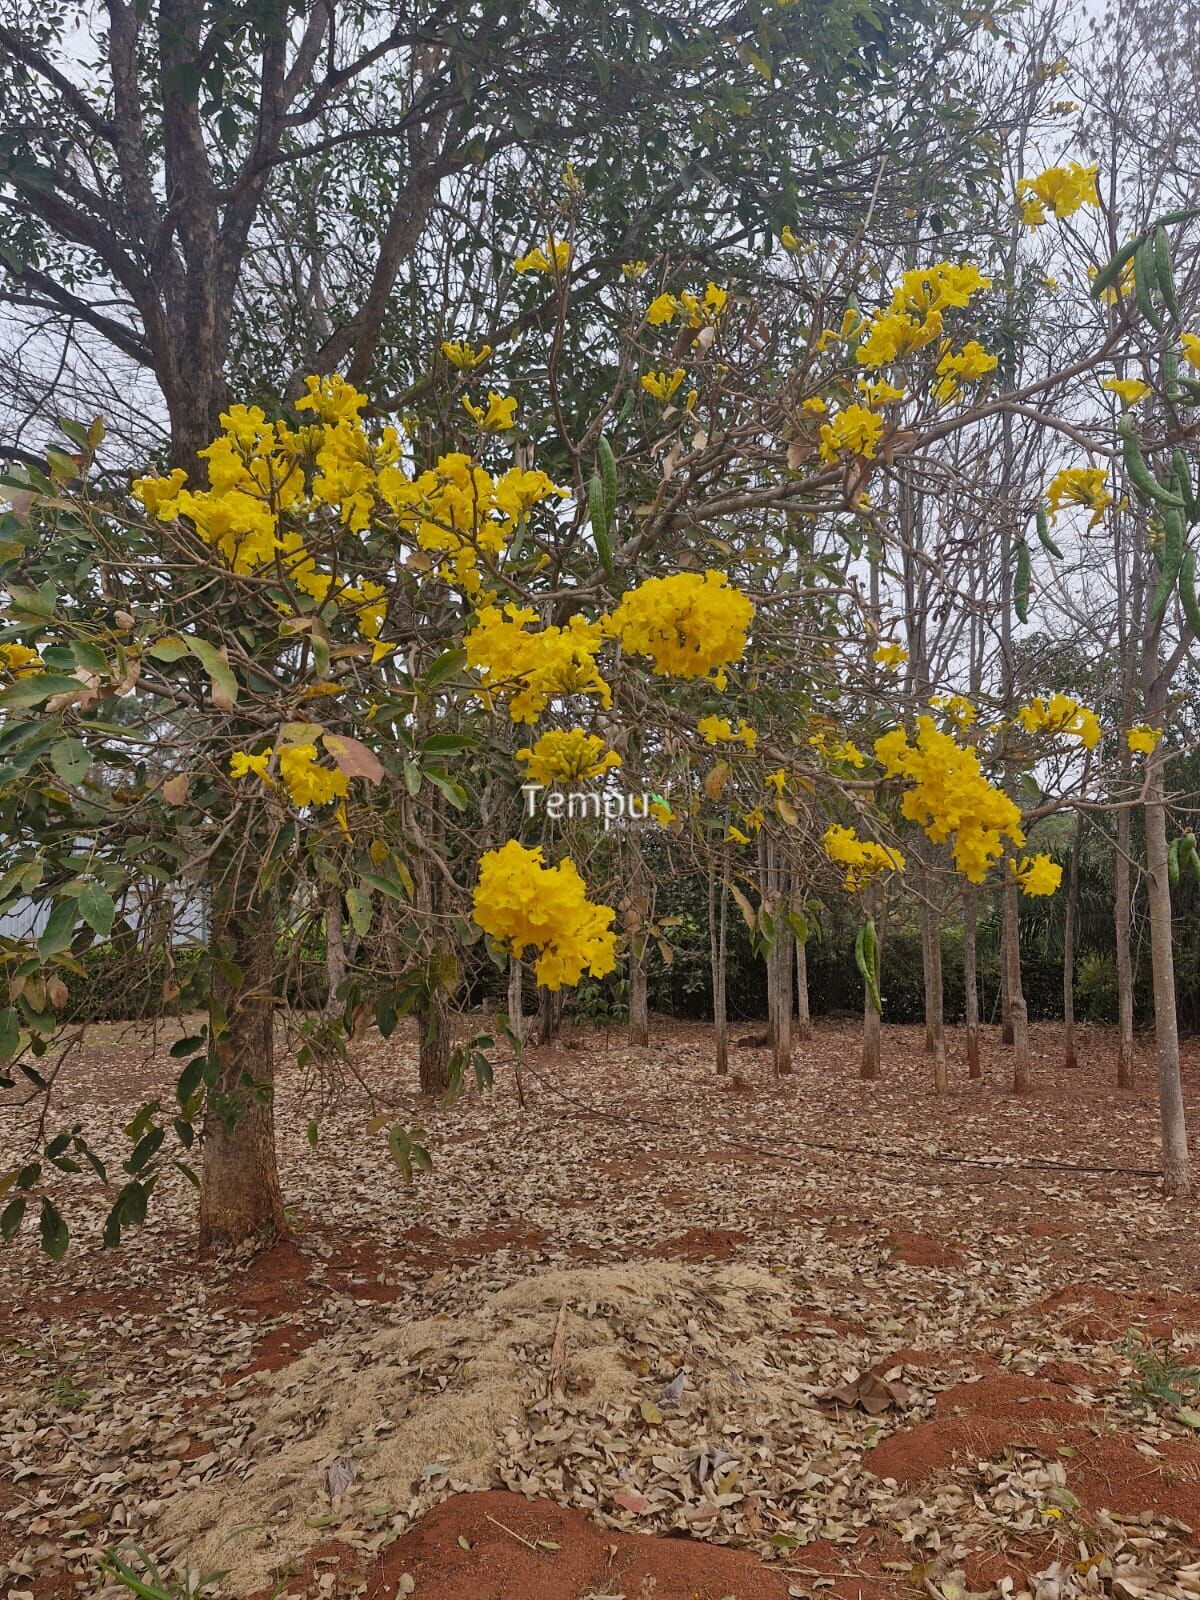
x,y
773,883
435,1040
336,963
516,998
970,904
1022,1081
1176,1167
935,1010
718,928
1006,1020
639,1009
870,1065
240,1197
1122,919
804,1029
1070,1056
550,1011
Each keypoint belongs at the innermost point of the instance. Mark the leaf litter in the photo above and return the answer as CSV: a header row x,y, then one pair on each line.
x,y
910,1376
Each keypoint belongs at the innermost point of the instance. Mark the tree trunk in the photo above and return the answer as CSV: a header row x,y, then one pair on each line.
x,y
435,1040
804,1028
970,904
773,883
1006,1021
1022,1082
1121,919
870,1066
935,1009
639,1009
1176,1171
1070,1056
927,973
516,999
550,1012
336,963
239,1179
717,944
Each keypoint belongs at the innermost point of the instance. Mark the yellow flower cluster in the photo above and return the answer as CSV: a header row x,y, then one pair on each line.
x,y
950,797
844,751
306,781
554,259
19,660
457,510
890,656
530,668
689,624
1080,486
853,431
1061,714
567,756
1037,874
914,320
1190,345
1061,190
662,385
955,706
523,903
967,365
862,859
719,730
1142,739
497,416
267,480
696,312
460,354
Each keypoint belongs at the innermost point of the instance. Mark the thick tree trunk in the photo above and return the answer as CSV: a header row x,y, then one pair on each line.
x,y
1070,1055
239,1179
434,1044
718,909
1176,1169
1022,1081
550,1012
970,904
1121,919
639,1009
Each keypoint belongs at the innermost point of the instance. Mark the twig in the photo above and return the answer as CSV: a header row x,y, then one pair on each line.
x,y
528,1543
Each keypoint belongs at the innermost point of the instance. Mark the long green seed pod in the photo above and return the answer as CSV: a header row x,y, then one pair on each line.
x,y
1021,586
600,523
1140,474
1187,590
608,474
1173,863
1113,267
1042,523
1145,282
866,958
1183,482
1163,274
1173,553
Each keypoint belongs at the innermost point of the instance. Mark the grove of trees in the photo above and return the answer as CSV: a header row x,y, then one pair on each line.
x,y
420,420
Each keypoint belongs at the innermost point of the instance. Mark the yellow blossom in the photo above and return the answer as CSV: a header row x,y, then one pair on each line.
x,y
862,859
689,623
1061,190
890,656
662,385
554,259
1036,875
460,354
1143,739
1128,390
1061,714
853,431
524,904
567,756
497,416
1080,486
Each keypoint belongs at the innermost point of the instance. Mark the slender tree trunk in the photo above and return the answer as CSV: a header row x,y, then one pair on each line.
x,y
639,1009
804,1029
870,1066
779,958
336,963
550,1013
1121,919
239,1180
935,1011
927,974
718,908
970,907
1006,1019
1070,1056
1022,1081
516,999
1176,1169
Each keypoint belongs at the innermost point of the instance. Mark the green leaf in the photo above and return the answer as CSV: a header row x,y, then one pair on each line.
x,y
71,760
358,903
10,1033
97,909
11,1217
224,684
56,935
32,691
454,792
446,665
55,1236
